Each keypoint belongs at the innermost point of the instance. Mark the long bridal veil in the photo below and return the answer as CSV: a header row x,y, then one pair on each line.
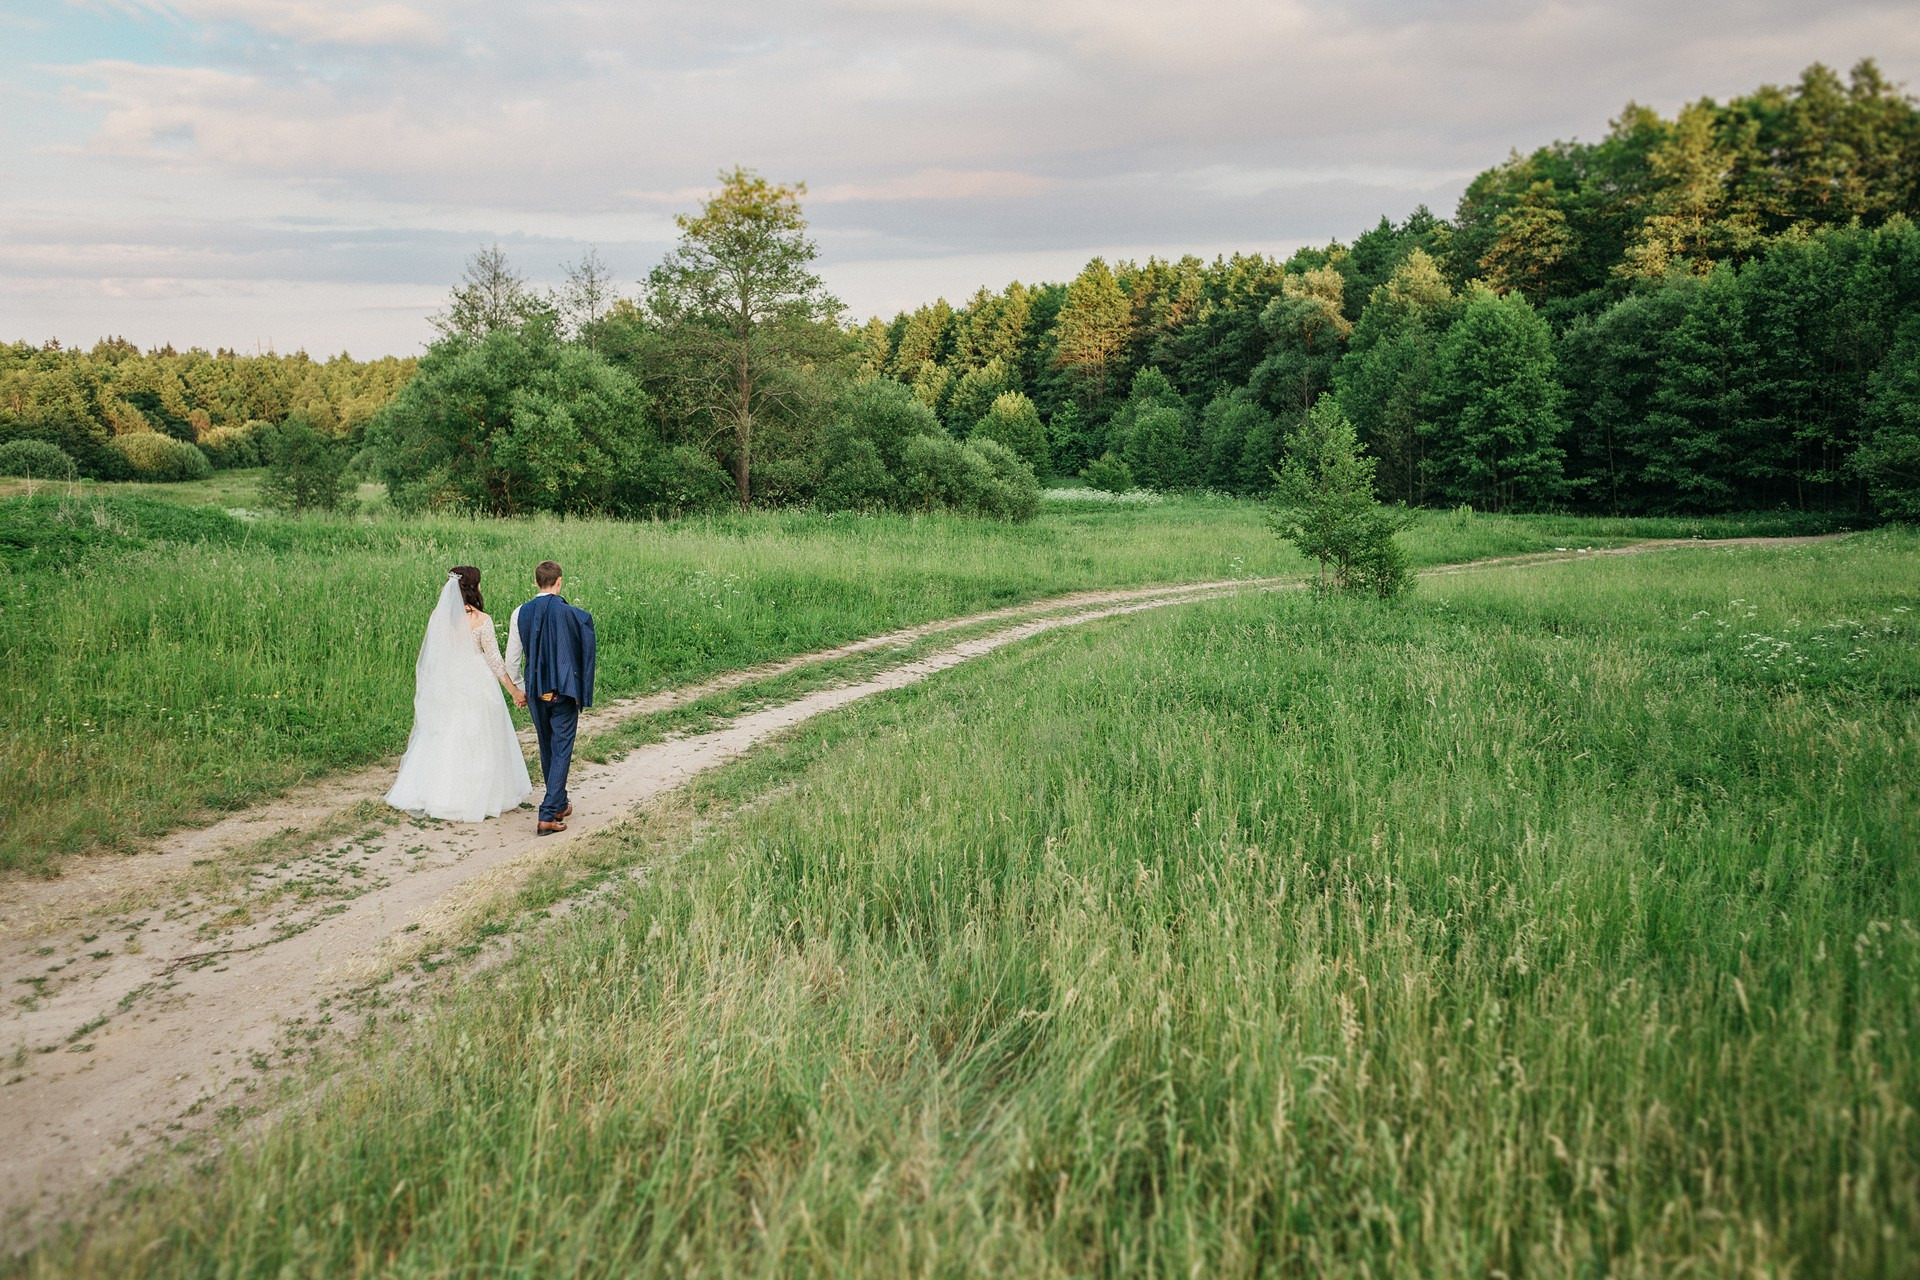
x,y
463,762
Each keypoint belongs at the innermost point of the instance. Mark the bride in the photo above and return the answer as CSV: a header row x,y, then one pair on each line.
x,y
463,761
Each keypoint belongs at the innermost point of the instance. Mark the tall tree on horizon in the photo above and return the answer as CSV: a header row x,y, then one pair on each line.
x,y
491,296
1093,330
743,309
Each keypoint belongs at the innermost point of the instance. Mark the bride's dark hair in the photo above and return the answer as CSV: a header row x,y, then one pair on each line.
x,y
469,585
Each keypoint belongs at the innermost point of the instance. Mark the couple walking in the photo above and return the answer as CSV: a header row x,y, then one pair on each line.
x,y
463,761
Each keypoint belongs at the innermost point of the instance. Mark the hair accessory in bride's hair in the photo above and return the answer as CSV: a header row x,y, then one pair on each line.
x,y
469,585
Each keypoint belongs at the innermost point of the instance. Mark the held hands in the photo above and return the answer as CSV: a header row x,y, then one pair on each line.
x,y
519,697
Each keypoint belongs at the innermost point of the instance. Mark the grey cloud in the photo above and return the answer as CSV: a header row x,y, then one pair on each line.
x,y
942,130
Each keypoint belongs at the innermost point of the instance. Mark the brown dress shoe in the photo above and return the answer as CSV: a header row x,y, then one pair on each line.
x,y
565,814
548,828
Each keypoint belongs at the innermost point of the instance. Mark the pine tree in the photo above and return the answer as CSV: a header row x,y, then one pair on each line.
x,y
1093,331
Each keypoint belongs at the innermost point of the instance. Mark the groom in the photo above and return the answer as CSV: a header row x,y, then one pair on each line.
x,y
556,642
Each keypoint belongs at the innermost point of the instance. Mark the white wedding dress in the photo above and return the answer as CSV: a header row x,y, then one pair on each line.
x,y
463,762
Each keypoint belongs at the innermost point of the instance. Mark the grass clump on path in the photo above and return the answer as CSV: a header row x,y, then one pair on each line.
x,y
1538,924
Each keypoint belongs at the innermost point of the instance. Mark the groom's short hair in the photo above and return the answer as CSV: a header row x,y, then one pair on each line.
x,y
545,574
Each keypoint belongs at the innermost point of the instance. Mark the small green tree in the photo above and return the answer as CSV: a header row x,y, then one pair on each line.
x,y
1015,423
1324,505
305,470
1156,449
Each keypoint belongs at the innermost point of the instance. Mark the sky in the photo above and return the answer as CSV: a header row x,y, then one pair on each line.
x,y
312,174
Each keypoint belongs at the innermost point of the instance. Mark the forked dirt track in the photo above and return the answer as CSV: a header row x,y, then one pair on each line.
x,y
147,993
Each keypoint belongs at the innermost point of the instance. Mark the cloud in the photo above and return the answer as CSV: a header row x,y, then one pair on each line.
x,y
370,143
937,184
315,21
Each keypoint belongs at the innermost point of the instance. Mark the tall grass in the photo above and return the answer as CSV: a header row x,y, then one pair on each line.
x,y
167,660
1539,925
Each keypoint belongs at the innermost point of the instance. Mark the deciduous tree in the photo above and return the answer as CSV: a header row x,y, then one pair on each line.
x,y
491,296
743,310
1493,408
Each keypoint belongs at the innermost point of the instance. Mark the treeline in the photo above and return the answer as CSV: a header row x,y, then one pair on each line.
x,y
728,379
1711,312
1698,314
120,413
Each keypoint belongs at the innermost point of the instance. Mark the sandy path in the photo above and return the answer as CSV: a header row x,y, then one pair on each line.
x,y
161,987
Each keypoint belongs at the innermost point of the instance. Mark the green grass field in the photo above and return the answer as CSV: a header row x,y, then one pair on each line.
x,y
171,659
1552,922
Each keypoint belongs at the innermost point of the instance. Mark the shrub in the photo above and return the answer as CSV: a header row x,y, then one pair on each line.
x,y
881,410
980,477
859,481
306,471
671,482
36,459
155,458
1010,490
932,472
230,447
1108,472
779,482
512,423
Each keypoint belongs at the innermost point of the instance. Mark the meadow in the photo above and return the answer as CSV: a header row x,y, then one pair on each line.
x,y
174,657
1554,921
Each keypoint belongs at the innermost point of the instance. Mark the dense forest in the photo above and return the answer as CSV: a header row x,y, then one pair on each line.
x,y
91,403
1712,312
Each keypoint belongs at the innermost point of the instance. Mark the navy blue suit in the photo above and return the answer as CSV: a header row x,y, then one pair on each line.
x,y
558,641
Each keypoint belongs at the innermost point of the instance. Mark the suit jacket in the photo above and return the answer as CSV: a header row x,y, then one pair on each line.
x,y
557,639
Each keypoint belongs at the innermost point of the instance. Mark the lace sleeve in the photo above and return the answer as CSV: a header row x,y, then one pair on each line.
x,y
490,651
